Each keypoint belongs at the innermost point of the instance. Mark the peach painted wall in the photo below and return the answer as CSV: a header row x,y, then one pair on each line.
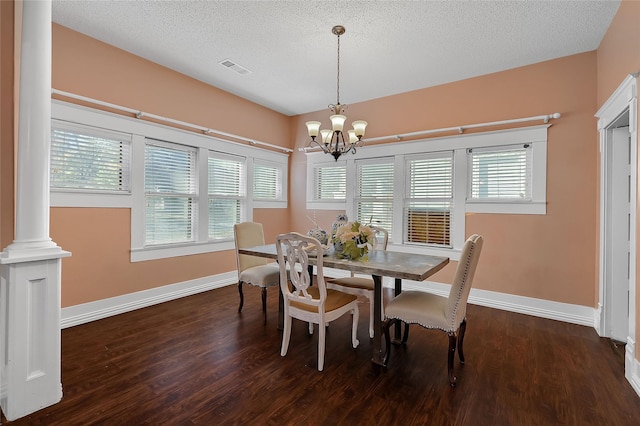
x,y
550,256
618,56
7,117
99,267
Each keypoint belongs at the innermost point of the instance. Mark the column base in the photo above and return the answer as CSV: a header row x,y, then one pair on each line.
x,y
30,346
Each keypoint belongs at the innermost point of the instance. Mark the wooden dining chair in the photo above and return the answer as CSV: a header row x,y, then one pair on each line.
x,y
363,286
253,270
432,311
312,304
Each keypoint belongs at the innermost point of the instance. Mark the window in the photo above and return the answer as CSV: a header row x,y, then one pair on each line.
x,y
181,202
267,181
330,182
435,184
170,193
429,199
374,193
89,159
226,184
502,173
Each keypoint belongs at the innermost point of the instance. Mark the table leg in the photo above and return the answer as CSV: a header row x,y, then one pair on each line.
x,y
397,332
377,321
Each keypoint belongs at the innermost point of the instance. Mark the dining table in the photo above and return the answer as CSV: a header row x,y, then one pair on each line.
x,y
378,264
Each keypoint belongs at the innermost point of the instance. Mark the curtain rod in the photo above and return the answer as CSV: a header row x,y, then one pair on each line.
x,y
459,129
141,114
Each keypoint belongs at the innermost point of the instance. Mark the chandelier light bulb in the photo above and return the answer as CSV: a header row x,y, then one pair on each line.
x,y
313,127
358,127
337,122
325,136
352,136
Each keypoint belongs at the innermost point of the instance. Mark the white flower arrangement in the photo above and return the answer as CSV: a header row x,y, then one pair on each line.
x,y
355,239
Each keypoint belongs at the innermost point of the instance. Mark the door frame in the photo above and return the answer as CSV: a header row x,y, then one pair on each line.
x,y
623,100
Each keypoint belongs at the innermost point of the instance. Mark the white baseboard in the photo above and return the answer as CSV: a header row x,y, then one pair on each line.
x,y
87,312
632,366
566,312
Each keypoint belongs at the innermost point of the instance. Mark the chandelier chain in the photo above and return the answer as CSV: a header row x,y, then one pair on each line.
x,y
338,83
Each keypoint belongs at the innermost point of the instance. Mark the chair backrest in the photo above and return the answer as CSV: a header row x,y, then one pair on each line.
x,y
248,234
293,257
382,237
456,309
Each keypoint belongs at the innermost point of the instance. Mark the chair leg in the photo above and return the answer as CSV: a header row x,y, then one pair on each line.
x,y
264,304
355,316
241,296
405,336
322,331
452,350
286,334
463,328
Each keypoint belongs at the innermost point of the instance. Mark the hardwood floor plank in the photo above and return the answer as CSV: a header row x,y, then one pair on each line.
x,y
196,361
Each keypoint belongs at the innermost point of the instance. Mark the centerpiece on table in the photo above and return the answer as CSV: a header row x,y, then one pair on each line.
x,y
355,240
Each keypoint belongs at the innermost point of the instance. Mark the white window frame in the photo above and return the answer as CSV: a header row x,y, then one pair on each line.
x,y
281,198
241,197
313,201
535,203
357,197
123,138
459,144
409,200
140,130
192,193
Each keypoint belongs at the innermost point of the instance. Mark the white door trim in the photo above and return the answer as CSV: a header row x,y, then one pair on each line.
x,y
623,100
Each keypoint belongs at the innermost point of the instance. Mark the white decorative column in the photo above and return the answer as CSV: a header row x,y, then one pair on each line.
x,y
31,266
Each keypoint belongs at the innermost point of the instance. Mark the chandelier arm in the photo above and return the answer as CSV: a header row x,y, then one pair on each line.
x,y
326,151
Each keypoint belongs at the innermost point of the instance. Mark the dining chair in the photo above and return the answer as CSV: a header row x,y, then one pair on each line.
x,y
438,312
363,286
313,304
253,270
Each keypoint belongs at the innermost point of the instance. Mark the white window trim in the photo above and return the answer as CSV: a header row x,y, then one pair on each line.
x,y
140,129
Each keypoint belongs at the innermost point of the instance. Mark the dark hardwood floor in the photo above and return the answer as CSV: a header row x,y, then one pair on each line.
x,y
196,361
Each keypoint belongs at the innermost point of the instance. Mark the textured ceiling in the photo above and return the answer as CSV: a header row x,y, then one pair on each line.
x,y
389,46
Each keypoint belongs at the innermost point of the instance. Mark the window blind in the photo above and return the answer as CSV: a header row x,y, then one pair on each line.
x,y
267,182
374,193
429,199
226,195
500,173
89,159
170,192
330,183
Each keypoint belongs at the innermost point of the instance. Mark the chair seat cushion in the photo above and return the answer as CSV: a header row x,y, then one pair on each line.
x,y
335,299
417,307
261,275
353,282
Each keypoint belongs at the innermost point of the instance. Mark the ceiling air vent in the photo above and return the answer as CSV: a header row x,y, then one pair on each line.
x,y
237,68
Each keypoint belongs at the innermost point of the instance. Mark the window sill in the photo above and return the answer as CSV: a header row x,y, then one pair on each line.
x,y
533,207
327,205
152,253
61,198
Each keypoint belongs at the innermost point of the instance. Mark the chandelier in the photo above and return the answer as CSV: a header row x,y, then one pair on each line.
x,y
334,141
